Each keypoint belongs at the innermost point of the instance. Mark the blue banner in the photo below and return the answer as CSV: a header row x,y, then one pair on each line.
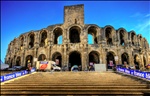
x,y
2,78
15,75
132,72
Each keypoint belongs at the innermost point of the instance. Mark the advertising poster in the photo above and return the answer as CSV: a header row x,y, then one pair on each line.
x,y
91,63
43,64
57,61
111,63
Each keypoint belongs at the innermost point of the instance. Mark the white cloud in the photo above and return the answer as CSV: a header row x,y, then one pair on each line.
x,y
147,15
138,14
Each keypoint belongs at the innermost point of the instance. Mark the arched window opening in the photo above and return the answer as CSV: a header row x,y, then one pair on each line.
x,y
140,41
93,32
132,38
136,62
21,44
43,39
108,35
125,58
90,39
18,61
74,59
94,57
122,37
145,44
31,40
57,33
74,34
60,39
29,60
42,57
110,60
57,58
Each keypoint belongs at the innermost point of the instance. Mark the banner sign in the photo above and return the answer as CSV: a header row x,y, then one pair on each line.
x,y
43,64
136,73
15,75
111,63
91,63
57,61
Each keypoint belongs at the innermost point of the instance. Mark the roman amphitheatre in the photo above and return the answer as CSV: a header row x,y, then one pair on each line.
x,y
109,44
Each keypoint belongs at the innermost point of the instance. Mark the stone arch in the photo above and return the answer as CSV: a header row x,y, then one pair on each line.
x,y
74,34
122,36
31,39
57,57
29,59
43,38
136,61
125,58
94,57
18,61
133,37
110,59
21,42
57,32
145,43
92,30
140,40
75,58
42,57
109,34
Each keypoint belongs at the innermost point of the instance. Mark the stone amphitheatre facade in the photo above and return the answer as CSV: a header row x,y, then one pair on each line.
x,y
117,46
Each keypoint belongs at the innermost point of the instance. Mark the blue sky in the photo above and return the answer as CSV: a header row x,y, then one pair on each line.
x,y
18,17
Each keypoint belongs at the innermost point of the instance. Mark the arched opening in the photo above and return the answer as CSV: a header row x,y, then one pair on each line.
x,y
136,62
108,34
125,58
144,61
18,61
90,39
93,32
43,39
94,57
60,39
21,43
74,34
74,59
31,40
57,58
57,33
42,57
145,44
140,41
122,37
132,38
110,60
29,59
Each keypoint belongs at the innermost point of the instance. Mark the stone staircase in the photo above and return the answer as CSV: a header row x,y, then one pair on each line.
x,y
75,83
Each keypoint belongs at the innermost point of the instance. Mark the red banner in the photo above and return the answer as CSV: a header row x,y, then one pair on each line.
x,y
43,65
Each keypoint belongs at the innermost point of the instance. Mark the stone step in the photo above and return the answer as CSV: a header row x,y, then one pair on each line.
x,y
73,87
74,91
27,93
63,89
68,84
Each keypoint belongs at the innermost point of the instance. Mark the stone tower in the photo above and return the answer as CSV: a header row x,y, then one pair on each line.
x,y
74,15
